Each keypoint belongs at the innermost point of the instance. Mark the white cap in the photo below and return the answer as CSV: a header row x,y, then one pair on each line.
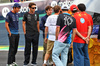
x,y
64,7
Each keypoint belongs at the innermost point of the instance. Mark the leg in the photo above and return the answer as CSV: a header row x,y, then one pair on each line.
x,y
64,55
35,48
11,49
86,55
44,50
27,50
57,49
50,45
16,46
78,54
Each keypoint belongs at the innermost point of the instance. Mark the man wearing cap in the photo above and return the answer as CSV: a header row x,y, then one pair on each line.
x,y
65,23
31,32
11,25
80,43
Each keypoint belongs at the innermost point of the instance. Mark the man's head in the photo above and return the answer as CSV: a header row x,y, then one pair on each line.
x,y
57,9
81,7
74,8
65,8
16,7
32,7
48,10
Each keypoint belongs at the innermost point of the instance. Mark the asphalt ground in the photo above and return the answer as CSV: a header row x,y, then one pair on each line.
x,y
20,58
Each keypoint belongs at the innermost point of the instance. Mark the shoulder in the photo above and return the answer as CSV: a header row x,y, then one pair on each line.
x,y
36,13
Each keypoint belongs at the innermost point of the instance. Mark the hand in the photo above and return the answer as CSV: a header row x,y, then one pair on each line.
x,y
87,40
9,34
98,40
71,45
24,33
45,40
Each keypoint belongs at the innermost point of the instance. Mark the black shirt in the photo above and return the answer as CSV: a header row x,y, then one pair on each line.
x,y
31,22
66,23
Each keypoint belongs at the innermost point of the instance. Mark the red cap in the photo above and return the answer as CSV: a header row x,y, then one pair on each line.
x,y
73,7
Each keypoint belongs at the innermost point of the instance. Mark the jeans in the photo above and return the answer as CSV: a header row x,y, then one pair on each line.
x,y
63,49
81,57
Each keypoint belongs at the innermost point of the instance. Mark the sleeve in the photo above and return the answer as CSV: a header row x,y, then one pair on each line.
x,y
99,33
24,17
47,22
58,21
74,23
91,20
8,18
42,27
37,17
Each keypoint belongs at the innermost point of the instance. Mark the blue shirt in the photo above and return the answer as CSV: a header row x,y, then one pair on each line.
x,y
13,19
42,24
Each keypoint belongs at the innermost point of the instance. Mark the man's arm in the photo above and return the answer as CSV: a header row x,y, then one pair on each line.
x,y
42,27
24,29
73,36
57,31
38,26
46,32
7,28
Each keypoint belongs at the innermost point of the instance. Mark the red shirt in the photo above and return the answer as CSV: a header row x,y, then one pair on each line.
x,y
89,17
82,24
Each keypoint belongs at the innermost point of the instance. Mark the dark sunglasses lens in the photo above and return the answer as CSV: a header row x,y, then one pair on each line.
x,y
34,8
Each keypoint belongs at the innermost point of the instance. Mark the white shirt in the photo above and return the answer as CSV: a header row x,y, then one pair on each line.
x,y
51,24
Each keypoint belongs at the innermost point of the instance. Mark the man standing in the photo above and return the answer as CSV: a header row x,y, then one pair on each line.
x,y
11,25
48,10
80,43
31,31
51,29
65,24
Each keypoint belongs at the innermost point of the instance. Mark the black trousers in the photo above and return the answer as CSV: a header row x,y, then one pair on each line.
x,y
28,40
13,46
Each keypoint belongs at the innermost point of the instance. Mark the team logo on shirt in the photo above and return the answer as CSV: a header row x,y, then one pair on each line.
x,y
68,20
82,20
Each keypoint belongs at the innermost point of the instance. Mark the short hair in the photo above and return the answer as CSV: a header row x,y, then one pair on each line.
x,y
81,7
31,4
48,8
64,9
75,11
56,8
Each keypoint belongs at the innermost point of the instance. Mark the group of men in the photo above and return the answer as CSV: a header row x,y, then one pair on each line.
x,y
57,29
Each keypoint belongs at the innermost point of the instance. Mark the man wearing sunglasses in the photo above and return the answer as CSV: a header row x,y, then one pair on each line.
x,y
31,32
11,25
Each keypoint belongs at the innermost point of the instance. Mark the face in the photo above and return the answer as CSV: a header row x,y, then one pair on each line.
x,y
49,11
32,9
17,9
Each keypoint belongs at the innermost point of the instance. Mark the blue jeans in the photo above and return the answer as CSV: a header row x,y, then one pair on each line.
x,y
81,57
57,49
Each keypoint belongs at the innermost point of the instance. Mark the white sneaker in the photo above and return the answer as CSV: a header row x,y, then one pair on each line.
x,y
15,63
10,64
25,65
33,64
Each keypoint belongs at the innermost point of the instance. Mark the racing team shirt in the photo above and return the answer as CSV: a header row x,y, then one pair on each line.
x,y
89,17
82,24
31,23
66,23
13,19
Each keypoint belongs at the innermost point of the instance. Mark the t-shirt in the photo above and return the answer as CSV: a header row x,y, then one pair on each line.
x,y
51,24
82,24
16,0
66,23
89,17
13,19
31,22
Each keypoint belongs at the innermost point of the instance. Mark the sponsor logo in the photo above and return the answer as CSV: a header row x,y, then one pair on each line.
x,y
5,10
82,20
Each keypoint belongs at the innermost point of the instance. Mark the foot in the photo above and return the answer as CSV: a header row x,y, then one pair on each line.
x,y
44,65
15,63
33,64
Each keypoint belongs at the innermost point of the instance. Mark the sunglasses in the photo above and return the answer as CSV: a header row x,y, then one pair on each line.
x,y
33,7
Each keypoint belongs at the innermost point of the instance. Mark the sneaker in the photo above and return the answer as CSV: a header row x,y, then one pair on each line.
x,y
10,64
15,64
33,64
